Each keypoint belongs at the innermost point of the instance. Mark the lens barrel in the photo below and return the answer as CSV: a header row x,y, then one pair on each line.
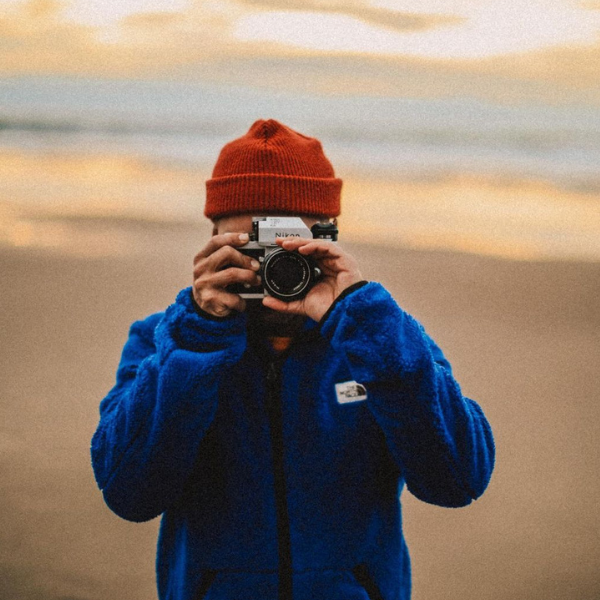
x,y
288,276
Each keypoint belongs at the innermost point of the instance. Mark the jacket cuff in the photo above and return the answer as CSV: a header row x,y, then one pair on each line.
x,y
379,339
346,292
186,326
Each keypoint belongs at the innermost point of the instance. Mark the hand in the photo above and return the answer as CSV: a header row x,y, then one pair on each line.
x,y
211,277
340,270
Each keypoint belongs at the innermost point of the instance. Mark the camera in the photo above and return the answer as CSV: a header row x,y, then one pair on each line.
x,y
285,275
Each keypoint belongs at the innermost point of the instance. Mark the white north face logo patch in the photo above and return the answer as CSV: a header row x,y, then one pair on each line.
x,y
350,391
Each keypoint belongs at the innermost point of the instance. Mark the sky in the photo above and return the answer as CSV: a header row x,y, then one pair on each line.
x,y
511,49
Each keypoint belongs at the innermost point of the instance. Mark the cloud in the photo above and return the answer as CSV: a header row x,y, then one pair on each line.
x,y
34,39
574,69
382,17
197,44
492,29
518,79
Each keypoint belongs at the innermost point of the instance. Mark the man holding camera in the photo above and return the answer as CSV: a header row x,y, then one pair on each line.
x,y
273,415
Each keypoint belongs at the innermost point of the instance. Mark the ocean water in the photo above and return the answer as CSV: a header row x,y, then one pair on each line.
x,y
514,181
390,138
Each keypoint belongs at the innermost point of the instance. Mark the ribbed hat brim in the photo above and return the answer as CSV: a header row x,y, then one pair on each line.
x,y
266,192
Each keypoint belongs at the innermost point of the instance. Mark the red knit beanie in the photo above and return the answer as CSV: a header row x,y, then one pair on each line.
x,y
273,169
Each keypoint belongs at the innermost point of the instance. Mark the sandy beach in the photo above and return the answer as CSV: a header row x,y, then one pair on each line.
x,y
524,341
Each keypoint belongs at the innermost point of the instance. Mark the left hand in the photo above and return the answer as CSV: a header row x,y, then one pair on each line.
x,y
340,270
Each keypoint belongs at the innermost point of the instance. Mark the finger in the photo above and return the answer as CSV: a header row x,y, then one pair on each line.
x,y
306,246
296,307
292,242
218,241
227,256
220,303
222,279
321,250
233,302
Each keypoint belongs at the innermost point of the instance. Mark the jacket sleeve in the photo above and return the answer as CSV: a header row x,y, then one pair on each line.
x,y
153,420
440,440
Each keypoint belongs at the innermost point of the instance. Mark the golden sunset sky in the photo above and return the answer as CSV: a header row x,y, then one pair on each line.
x,y
510,49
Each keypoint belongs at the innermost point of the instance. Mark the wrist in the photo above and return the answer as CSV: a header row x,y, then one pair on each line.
x,y
182,328
345,292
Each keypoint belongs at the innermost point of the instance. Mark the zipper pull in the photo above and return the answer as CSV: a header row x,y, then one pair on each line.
x,y
273,384
272,372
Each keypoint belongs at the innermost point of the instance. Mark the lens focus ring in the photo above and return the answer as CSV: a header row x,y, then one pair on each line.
x,y
287,275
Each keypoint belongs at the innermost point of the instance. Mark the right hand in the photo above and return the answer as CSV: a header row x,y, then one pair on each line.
x,y
211,277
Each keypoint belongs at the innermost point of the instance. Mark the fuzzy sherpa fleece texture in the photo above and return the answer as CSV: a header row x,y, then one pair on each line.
x,y
186,433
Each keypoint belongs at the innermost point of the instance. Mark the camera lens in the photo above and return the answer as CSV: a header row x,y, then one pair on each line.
x,y
287,275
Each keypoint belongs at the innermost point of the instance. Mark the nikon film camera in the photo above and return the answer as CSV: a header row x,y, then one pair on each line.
x,y
285,275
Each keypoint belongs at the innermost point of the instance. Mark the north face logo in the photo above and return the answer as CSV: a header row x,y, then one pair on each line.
x,y
350,391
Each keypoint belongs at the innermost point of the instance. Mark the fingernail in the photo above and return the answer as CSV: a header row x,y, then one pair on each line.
x,y
254,264
243,237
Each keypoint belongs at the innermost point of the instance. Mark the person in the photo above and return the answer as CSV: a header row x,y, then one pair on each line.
x,y
275,438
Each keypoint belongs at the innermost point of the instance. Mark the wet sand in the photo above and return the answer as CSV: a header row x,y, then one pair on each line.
x,y
523,339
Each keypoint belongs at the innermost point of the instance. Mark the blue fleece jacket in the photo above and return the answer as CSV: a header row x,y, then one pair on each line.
x,y
280,476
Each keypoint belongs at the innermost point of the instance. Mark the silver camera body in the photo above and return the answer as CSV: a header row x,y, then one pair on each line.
x,y
285,275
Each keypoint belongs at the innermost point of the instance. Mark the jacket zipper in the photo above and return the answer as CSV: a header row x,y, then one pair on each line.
x,y
275,412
